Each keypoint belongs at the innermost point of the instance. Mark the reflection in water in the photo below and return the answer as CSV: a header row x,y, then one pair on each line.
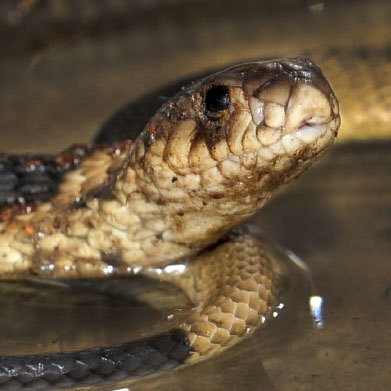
x,y
178,268
277,310
316,6
296,259
316,303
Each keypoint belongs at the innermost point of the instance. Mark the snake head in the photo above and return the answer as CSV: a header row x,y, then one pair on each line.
x,y
224,144
276,108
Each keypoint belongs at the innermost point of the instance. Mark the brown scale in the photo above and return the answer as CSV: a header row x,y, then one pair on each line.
x,y
51,168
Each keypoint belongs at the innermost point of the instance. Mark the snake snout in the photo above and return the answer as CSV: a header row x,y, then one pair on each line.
x,y
309,107
294,105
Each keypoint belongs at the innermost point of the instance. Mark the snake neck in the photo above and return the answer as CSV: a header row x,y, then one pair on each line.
x,y
126,208
108,218
119,211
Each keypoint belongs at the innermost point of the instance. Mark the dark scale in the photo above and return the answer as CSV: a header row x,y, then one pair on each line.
x,y
27,179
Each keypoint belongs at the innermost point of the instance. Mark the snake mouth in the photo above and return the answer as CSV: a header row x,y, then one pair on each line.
x,y
293,113
297,101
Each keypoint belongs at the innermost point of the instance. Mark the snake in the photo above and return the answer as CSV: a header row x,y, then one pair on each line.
x,y
209,158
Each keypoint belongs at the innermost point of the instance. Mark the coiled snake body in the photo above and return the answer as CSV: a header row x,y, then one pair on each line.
x,y
209,158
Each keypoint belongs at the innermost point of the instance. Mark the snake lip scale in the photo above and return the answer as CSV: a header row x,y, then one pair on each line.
x,y
209,158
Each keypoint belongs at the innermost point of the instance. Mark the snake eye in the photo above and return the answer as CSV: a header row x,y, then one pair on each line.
x,y
216,99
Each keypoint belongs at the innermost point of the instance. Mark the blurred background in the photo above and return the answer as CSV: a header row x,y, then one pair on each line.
x,y
66,66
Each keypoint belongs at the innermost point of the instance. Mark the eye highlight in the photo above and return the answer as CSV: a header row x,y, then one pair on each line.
x,y
217,99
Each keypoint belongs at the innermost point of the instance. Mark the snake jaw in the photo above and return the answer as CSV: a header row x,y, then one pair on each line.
x,y
281,119
303,120
291,102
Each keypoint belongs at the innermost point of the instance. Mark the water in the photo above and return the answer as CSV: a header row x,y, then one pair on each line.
x,y
336,218
66,316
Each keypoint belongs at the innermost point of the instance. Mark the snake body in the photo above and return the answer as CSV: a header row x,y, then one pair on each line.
x,y
208,159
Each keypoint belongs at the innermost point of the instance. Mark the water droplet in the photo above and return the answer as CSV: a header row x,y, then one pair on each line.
x,y
316,304
175,269
109,269
136,269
